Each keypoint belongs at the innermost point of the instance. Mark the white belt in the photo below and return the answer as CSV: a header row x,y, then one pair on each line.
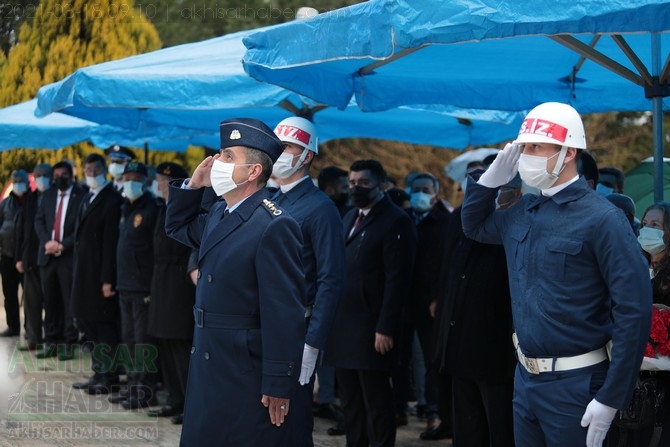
x,y
548,364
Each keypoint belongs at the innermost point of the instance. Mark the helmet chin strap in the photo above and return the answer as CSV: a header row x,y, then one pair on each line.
x,y
558,167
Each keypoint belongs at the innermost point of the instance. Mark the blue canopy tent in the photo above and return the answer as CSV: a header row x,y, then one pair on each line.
x,y
20,128
185,91
507,55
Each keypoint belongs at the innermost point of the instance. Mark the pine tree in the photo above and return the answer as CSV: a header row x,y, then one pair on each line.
x,y
66,35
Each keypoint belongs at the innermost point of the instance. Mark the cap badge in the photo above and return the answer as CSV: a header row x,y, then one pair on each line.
x,y
235,135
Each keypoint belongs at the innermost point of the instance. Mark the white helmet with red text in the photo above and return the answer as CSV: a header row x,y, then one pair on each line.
x,y
298,131
553,122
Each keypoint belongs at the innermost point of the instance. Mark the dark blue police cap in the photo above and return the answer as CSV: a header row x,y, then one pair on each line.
x,y
172,170
136,167
252,133
116,151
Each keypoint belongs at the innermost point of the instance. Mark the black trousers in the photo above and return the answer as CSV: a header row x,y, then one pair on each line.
x,y
483,413
367,402
401,376
11,278
56,279
105,336
33,304
139,345
174,357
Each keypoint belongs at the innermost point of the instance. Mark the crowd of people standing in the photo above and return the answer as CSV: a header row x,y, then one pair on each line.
x,y
524,317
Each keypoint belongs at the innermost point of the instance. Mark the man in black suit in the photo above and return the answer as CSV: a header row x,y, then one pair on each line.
x,y
54,224
94,300
431,218
27,246
170,318
474,334
380,248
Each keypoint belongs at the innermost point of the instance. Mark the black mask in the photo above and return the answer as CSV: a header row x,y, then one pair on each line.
x,y
62,183
340,199
361,197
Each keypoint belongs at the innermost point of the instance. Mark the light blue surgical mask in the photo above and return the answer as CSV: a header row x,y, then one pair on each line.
x,y
43,183
133,190
19,188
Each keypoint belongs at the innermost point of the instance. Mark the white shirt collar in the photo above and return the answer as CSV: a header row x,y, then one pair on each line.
x,y
290,186
549,192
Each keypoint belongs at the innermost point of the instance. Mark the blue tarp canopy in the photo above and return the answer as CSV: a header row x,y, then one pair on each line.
x,y
483,54
20,128
598,55
182,93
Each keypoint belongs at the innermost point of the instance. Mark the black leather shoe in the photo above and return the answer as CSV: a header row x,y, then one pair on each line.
x,y
329,411
133,403
164,411
30,347
84,385
46,352
178,420
441,432
9,333
102,387
67,352
336,430
118,398
401,420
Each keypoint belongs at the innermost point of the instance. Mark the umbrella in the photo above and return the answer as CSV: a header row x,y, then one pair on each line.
x,y
183,92
20,128
639,184
506,55
457,167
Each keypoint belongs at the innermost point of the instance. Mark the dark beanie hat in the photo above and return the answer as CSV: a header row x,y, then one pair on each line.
x,y
172,170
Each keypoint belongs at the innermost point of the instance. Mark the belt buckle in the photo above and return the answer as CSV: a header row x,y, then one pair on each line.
x,y
531,365
199,317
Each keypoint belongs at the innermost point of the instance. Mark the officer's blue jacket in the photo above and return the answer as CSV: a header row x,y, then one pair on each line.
x,y
577,277
323,254
249,316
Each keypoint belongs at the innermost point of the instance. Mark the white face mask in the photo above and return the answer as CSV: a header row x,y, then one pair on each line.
x,y
133,190
19,188
421,201
116,169
533,171
155,191
651,240
283,167
221,177
95,182
42,183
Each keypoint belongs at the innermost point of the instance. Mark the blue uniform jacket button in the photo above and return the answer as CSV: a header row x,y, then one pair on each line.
x,y
192,349
199,274
209,278
206,355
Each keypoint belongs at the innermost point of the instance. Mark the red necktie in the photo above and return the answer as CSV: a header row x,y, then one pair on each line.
x,y
359,219
59,215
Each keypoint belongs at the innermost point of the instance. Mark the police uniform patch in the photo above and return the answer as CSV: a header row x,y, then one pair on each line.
x,y
272,207
137,221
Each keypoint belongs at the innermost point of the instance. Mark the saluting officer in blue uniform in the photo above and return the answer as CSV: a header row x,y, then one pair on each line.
x,y
577,280
250,297
323,249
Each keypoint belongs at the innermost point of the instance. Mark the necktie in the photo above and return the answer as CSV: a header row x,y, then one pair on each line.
x,y
59,215
357,224
225,213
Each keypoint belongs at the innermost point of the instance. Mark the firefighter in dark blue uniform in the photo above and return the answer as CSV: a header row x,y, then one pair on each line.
x,y
250,297
577,280
323,249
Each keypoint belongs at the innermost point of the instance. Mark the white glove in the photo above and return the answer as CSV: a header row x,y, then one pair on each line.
x,y
309,356
598,418
504,167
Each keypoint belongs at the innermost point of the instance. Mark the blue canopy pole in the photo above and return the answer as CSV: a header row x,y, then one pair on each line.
x,y
657,119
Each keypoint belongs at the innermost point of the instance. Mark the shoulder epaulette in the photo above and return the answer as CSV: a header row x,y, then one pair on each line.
x,y
271,207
